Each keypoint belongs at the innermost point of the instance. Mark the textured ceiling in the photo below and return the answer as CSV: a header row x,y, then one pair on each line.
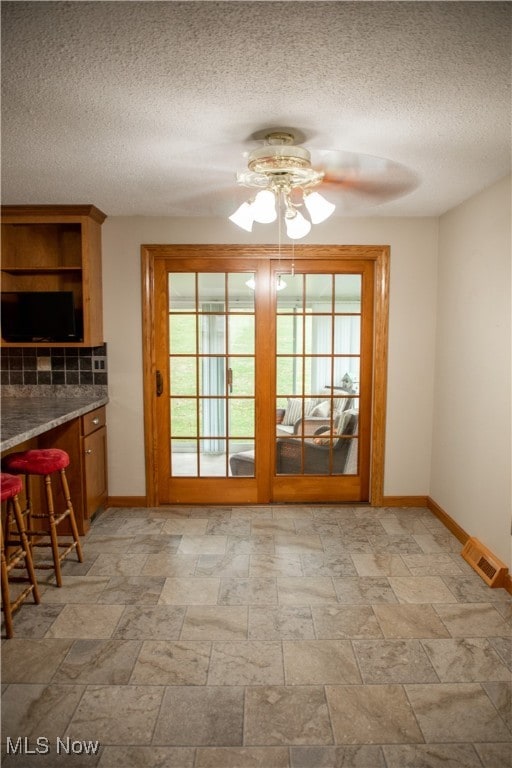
x,y
145,108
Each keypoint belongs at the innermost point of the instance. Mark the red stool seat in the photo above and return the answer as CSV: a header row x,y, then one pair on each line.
x,y
43,523
38,461
11,486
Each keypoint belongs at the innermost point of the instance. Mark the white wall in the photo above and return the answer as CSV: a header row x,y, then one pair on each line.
x,y
411,340
471,448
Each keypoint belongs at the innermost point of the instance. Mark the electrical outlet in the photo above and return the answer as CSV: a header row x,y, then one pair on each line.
x,y
44,363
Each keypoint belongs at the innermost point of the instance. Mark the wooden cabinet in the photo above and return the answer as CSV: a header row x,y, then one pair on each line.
x,y
85,440
56,248
94,462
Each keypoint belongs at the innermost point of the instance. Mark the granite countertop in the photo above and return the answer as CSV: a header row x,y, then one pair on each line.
x,y
26,416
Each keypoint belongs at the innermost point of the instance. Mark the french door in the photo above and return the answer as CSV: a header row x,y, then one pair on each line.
x,y
259,374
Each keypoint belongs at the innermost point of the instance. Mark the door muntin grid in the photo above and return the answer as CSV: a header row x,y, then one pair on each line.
x,y
318,364
212,369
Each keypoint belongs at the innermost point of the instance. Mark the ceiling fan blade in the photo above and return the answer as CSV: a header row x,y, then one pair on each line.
x,y
363,179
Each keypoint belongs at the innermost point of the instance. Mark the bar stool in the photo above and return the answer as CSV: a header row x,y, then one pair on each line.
x,y
44,462
14,552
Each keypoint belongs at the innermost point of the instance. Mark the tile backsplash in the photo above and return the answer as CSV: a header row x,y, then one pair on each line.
x,y
54,365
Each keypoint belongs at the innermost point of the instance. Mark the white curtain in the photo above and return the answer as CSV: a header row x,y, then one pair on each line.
x,y
347,335
213,377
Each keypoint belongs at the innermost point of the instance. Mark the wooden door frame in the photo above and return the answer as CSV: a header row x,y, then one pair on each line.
x,y
379,254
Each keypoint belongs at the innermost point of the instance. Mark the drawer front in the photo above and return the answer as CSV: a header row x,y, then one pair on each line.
x,y
93,420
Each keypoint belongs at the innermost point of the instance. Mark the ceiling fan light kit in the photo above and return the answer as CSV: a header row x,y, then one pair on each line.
x,y
276,169
319,208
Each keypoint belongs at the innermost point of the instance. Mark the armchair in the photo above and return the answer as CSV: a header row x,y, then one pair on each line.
x,y
317,455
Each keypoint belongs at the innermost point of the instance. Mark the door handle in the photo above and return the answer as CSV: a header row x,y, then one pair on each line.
x,y
159,384
230,380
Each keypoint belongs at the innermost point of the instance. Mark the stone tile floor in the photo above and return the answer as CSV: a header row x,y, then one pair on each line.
x,y
270,637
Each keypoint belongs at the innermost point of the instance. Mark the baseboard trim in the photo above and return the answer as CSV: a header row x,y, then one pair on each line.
x,y
127,501
460,534
404,501
447,521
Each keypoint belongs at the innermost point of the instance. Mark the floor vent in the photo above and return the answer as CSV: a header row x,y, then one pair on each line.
x,y
487,565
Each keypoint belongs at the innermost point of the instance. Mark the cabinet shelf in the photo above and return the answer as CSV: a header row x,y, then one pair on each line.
x,y
38,270
56,248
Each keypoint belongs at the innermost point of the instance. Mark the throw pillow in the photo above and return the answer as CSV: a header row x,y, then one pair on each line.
x,y
322,409
294,409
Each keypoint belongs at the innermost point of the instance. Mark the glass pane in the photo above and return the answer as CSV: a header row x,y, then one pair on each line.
x,y
317,375
210,448
241,460
182,292
352,460
241,418
212,418
318,334
281,402
212,334
242,375
211,288
289,456
347,335
290,297
182,376
289,376
347,289
183,417
184,458
241,334
289,334
319,292
240,295
346,373
182,334
212,465
340,402
347,449
212,375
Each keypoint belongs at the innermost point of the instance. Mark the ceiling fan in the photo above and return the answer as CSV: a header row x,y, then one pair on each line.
x,y
287,177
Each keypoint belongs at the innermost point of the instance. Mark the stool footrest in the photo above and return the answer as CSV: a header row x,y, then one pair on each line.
x,y
58,518
65,546
15,604
15,558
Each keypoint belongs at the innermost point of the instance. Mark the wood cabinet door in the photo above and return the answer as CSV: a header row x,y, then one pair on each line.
x,y
95,471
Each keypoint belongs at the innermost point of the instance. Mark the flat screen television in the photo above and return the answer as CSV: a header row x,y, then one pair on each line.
x,y
39,316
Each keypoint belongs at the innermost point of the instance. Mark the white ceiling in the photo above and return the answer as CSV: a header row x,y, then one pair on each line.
x,y
145,108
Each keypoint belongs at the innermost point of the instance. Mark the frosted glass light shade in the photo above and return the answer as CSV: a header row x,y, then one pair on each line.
x,y
243,217
318,207
297,226
264,207
280,284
